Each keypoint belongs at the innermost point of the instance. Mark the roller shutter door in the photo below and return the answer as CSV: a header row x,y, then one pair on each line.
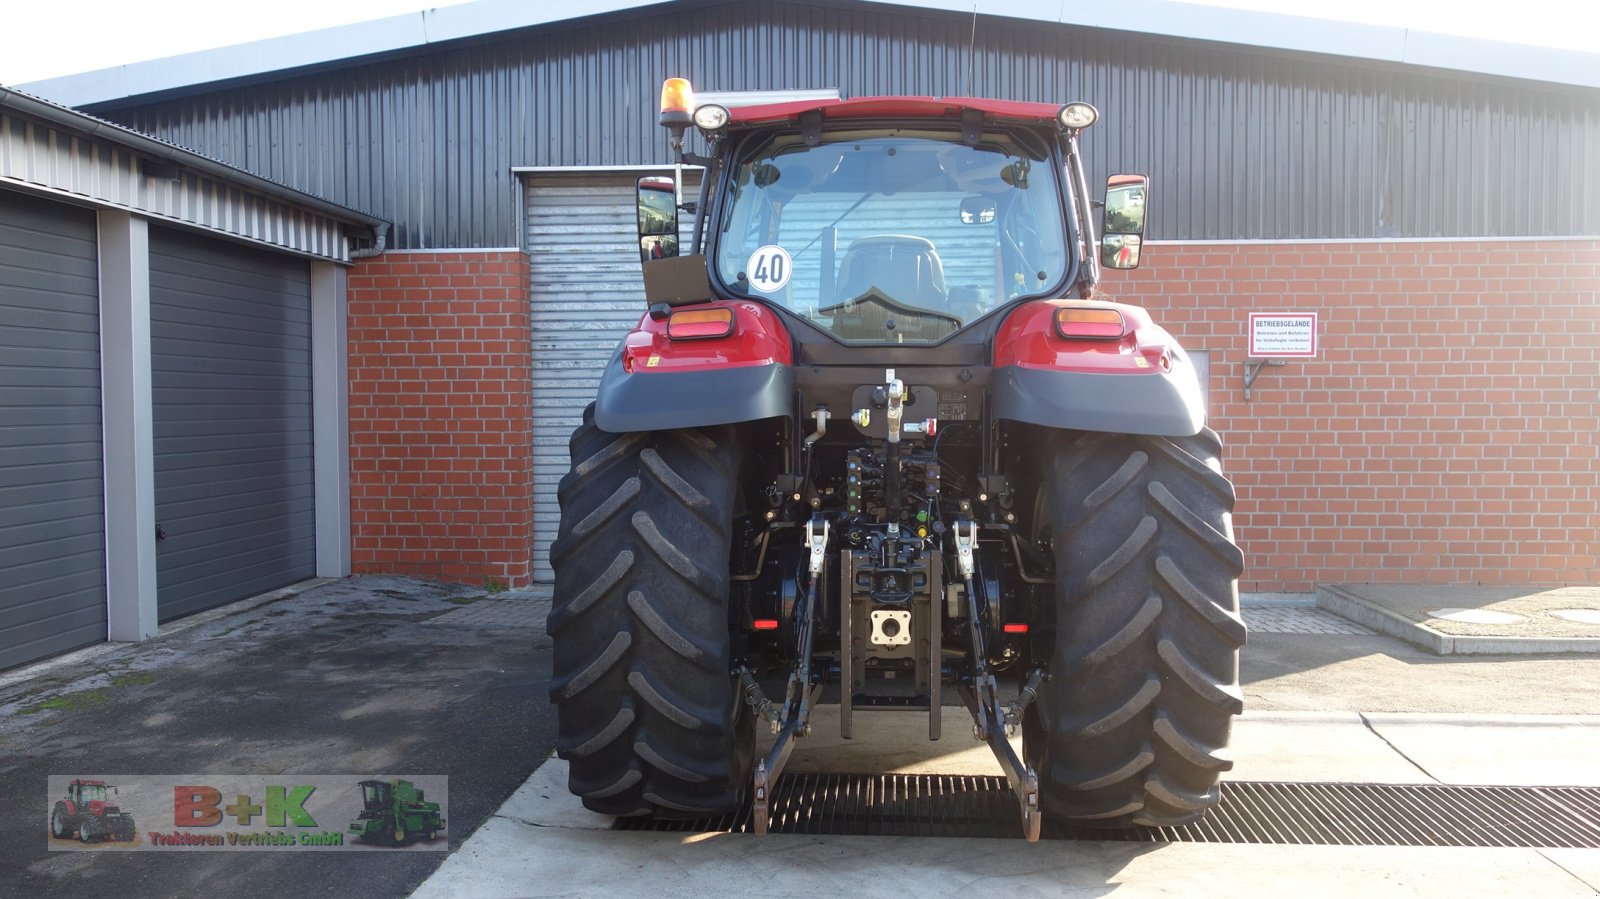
x,y
587,292
52,505
231,373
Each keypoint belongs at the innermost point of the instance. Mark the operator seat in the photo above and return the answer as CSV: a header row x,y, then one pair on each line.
x,y
908,272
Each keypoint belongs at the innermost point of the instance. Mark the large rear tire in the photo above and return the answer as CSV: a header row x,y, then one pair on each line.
x,y
648,712
1133,726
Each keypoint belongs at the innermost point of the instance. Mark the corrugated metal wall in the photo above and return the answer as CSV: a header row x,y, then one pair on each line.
x,y
1242,143
39,155
587,291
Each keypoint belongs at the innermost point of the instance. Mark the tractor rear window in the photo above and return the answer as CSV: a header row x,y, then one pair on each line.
x,y
893,238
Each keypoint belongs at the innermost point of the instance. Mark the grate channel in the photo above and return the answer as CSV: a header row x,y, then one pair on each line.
x,y
1324,814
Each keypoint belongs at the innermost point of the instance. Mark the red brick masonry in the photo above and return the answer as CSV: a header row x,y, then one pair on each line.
x,y
1446,433
441,482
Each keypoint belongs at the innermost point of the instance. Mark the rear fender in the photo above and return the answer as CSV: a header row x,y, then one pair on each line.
x,y
1142,383
655,383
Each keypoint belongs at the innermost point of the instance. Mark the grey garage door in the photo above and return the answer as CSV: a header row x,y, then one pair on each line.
x,y
52,521
587,292
231,373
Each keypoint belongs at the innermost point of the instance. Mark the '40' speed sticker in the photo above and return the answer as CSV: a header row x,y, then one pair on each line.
x,y
768,269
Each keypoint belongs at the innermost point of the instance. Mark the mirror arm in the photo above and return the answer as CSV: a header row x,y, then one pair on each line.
x,y
708,174
1088,239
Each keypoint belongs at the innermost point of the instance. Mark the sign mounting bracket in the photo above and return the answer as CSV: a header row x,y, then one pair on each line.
x,y
1252,370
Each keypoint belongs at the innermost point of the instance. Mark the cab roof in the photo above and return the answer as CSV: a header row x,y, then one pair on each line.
x,y
895,107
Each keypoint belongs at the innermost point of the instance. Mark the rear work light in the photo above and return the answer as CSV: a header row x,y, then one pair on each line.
x,y
711,117
1076,116
1077,323
700,324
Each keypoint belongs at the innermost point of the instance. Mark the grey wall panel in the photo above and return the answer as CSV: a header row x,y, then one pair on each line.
x,y
231,366
1242,143
52,504
49,158
587,291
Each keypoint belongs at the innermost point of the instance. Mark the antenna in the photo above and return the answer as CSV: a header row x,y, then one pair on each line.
x,y
971,40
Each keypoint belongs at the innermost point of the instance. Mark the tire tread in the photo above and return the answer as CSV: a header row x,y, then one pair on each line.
x,y
1132,727
647,712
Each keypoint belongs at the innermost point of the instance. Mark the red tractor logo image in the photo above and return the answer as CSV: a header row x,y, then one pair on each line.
x,y
87,812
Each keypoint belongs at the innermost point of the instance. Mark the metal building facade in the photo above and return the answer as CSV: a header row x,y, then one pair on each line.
x,y
172,382
1243,143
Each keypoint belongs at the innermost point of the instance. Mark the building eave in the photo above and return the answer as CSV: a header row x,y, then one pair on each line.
x,y
1166,18
49,148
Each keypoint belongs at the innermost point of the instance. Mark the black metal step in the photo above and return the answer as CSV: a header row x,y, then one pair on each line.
x,y
1326,814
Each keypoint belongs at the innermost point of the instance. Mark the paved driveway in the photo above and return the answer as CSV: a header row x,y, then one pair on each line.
x,y
363,675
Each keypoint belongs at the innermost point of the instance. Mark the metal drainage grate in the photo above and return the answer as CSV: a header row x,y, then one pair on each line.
x,y
1328,814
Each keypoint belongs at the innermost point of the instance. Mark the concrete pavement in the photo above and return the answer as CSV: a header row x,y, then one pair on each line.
x,y
566,862
1478,620
544,843
1299,690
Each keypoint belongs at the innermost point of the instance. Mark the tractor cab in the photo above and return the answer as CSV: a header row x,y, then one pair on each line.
x,y
89,792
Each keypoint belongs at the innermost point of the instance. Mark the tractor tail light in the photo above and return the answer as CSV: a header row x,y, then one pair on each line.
x,y
766,624
700,324
1076,323
677,102
1016,628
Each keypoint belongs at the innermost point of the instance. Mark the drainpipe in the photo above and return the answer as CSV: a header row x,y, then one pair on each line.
x,y
380,239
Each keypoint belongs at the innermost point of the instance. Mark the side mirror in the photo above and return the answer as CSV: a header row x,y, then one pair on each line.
x,y
977,210
658,217
1122,225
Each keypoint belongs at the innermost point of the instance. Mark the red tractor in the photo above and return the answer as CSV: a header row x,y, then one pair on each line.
x,y
87,812
875,431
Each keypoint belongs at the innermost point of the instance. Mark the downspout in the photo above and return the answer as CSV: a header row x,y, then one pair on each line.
x,y
380,240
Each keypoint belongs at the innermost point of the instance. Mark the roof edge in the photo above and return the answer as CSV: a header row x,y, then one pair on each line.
x,y
1167,18
310,48
89,126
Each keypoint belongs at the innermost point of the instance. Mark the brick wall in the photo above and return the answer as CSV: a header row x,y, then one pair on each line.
x,y
1447,432
441,483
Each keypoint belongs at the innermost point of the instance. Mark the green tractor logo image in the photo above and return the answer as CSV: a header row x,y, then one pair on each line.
x,y
87,812
394,813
